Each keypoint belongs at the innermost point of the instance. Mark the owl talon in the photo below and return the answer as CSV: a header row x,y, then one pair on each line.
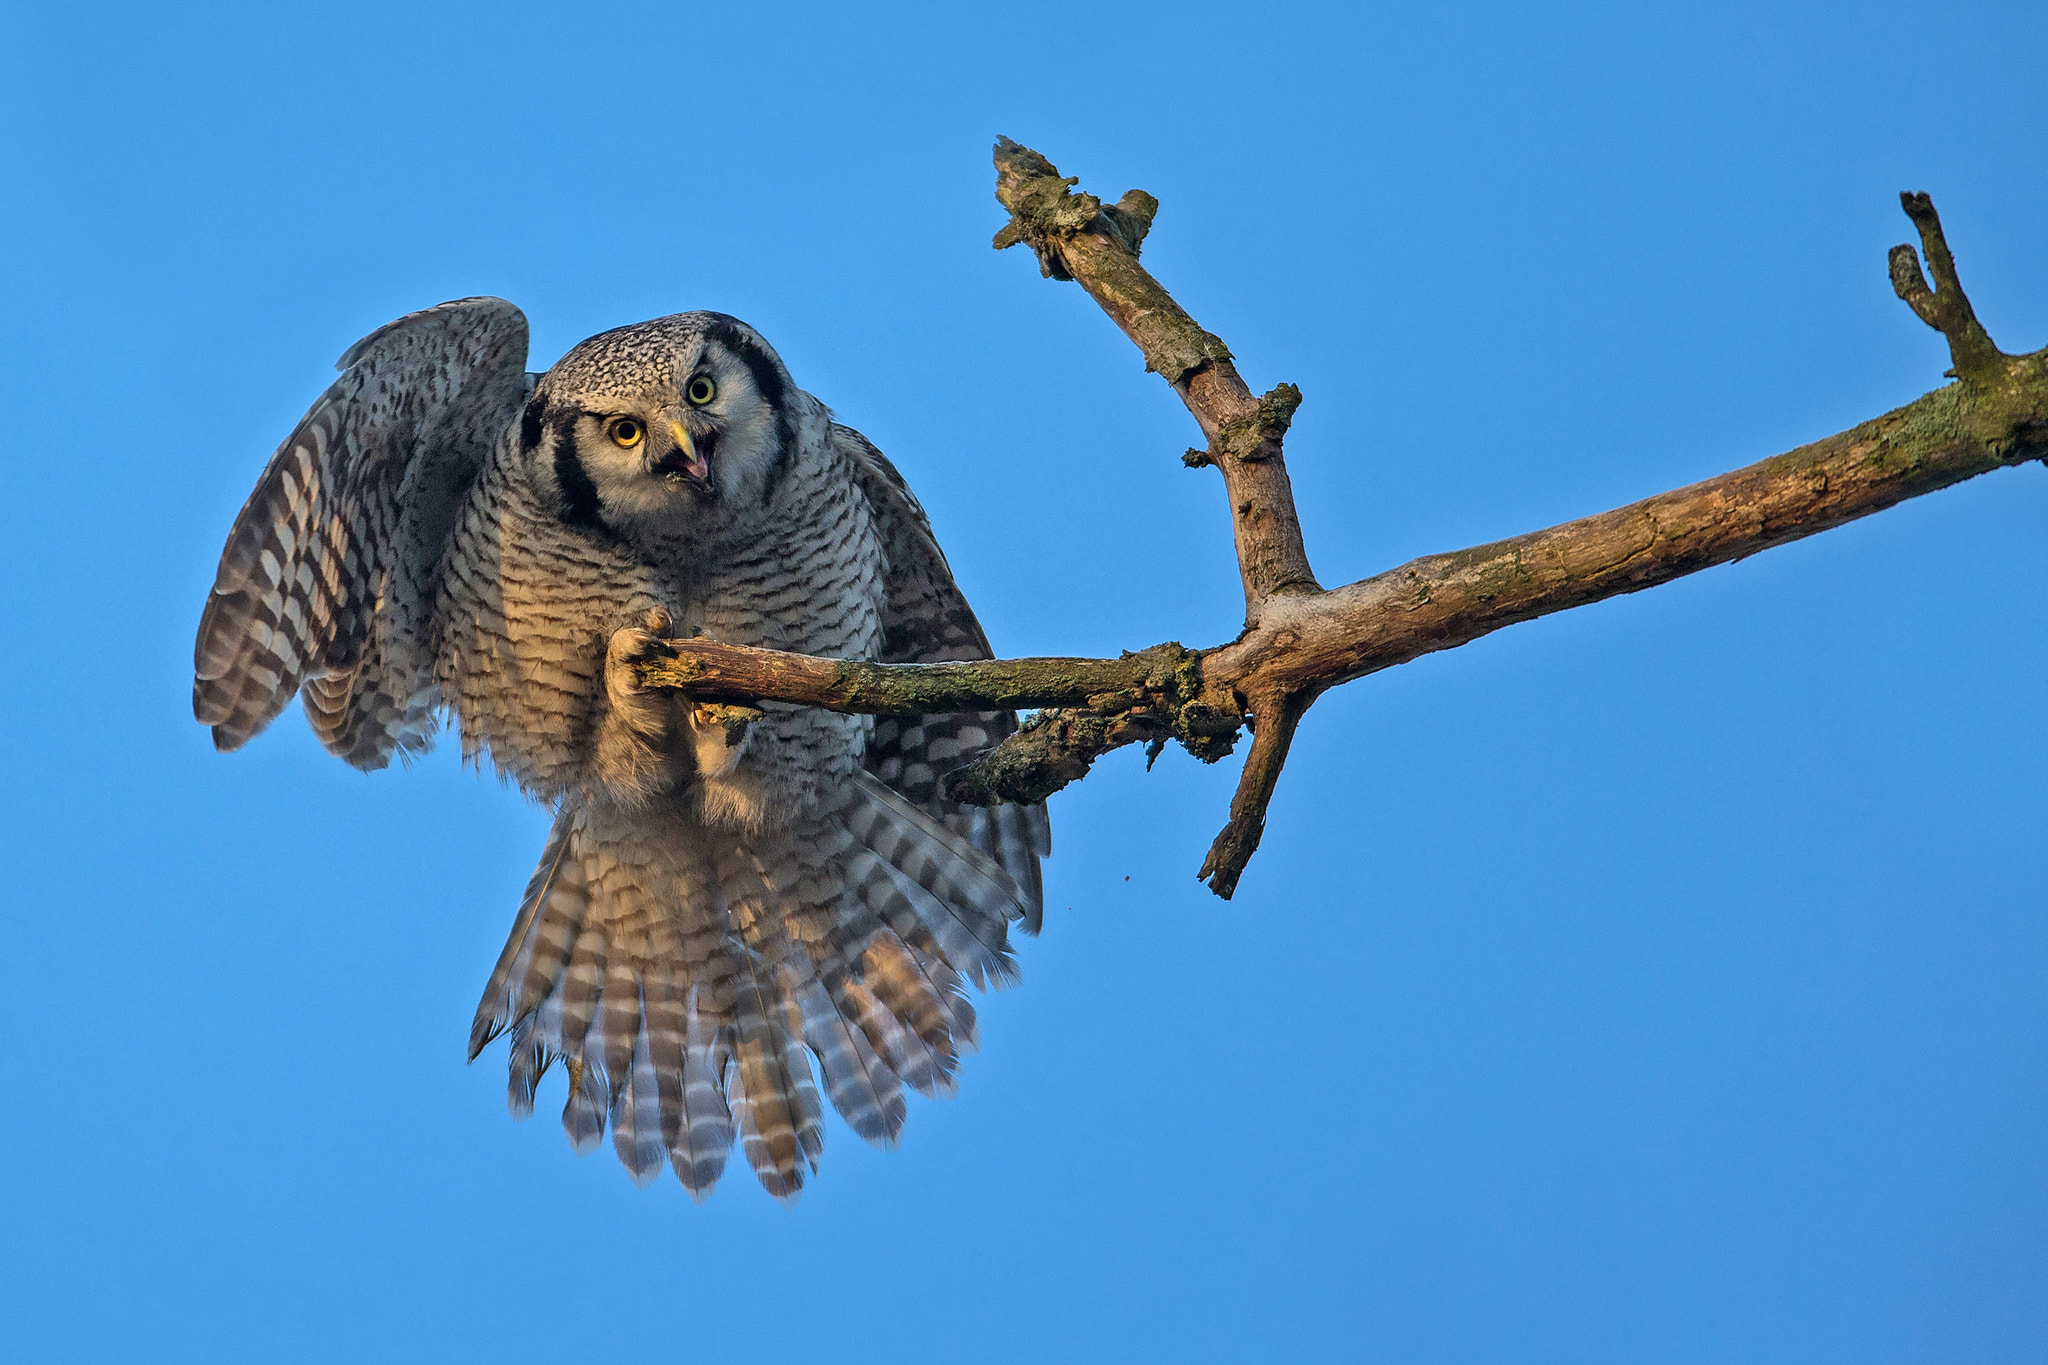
x,y
718,736
732,721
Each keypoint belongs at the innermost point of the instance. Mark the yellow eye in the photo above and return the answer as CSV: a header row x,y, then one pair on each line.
x,y
701,390
626,432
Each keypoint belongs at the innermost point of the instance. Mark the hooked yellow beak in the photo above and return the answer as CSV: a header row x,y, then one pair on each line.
x,y
687,461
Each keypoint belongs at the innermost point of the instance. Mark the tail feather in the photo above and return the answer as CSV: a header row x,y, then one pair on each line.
x,y
960,894
963,940
780,1122
814,935
553,937
925,1049
883,893
665,1027
583,1116
636,1115
908,1024
530,1061
494,1012
619,1019
707,1114
863,1087
1017,837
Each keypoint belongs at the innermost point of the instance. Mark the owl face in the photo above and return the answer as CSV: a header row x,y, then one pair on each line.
x,y
676,425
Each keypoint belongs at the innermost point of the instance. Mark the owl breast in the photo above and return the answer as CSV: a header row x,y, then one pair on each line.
x,y
529,605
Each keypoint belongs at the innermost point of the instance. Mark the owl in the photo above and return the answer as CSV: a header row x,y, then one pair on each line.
x,y
719,903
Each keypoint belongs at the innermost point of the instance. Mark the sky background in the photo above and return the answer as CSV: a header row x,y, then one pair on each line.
x,y
1662,981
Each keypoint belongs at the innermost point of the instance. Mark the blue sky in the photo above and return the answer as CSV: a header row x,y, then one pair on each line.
x,y
1663,981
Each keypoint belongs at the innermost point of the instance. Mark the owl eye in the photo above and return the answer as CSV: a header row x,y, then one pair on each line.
x,y
626,432
701,390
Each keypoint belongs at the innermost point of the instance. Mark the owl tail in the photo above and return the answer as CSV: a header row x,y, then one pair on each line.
x,y
686,977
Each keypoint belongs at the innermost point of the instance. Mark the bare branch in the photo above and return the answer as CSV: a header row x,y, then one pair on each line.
x,y
711,671
1272,736
1443,601
1300,640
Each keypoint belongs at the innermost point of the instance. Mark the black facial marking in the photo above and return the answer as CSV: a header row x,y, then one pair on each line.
x,y
579,494
529,424
778,463
731,333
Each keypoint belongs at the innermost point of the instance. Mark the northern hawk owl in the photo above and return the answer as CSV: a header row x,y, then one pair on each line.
x,y
715,905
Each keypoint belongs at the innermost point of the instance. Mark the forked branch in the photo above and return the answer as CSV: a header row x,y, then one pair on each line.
x,y
1299,640
1945,308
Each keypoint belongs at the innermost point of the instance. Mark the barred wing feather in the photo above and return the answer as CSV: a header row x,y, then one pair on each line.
x,y
328,577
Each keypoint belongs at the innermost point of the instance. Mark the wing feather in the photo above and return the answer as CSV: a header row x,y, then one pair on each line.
x,y
926,619
328,576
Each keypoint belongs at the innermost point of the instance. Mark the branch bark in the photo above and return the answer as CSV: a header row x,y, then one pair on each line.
x,y
1299,640
1077,238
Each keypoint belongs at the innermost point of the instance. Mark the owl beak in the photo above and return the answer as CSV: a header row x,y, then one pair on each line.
x,y
684,461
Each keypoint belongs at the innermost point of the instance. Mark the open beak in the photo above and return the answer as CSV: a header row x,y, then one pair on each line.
x,y
684,461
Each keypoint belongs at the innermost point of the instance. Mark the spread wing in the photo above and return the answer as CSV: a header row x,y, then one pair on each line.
x,y
329,574
926,620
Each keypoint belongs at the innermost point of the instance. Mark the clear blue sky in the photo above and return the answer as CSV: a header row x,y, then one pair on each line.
x,y
1664,981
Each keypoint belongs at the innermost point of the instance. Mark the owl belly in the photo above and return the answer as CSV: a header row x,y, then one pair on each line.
x,y
815,588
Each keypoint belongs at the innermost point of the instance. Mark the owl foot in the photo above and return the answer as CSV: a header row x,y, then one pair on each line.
x,y
634,753
630,647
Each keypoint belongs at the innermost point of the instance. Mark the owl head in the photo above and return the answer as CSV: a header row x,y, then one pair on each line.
x,y
680,425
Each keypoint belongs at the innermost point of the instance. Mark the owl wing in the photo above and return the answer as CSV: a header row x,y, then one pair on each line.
x,y
329,575
925,620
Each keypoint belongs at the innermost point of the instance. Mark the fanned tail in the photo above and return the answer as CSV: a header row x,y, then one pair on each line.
x,y
686,977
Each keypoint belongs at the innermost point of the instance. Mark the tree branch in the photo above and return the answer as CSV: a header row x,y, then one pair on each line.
x,y
1273,735
1300,641
711,671
1076,238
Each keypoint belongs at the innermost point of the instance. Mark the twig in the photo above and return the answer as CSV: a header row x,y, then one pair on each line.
x,y
1272,736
